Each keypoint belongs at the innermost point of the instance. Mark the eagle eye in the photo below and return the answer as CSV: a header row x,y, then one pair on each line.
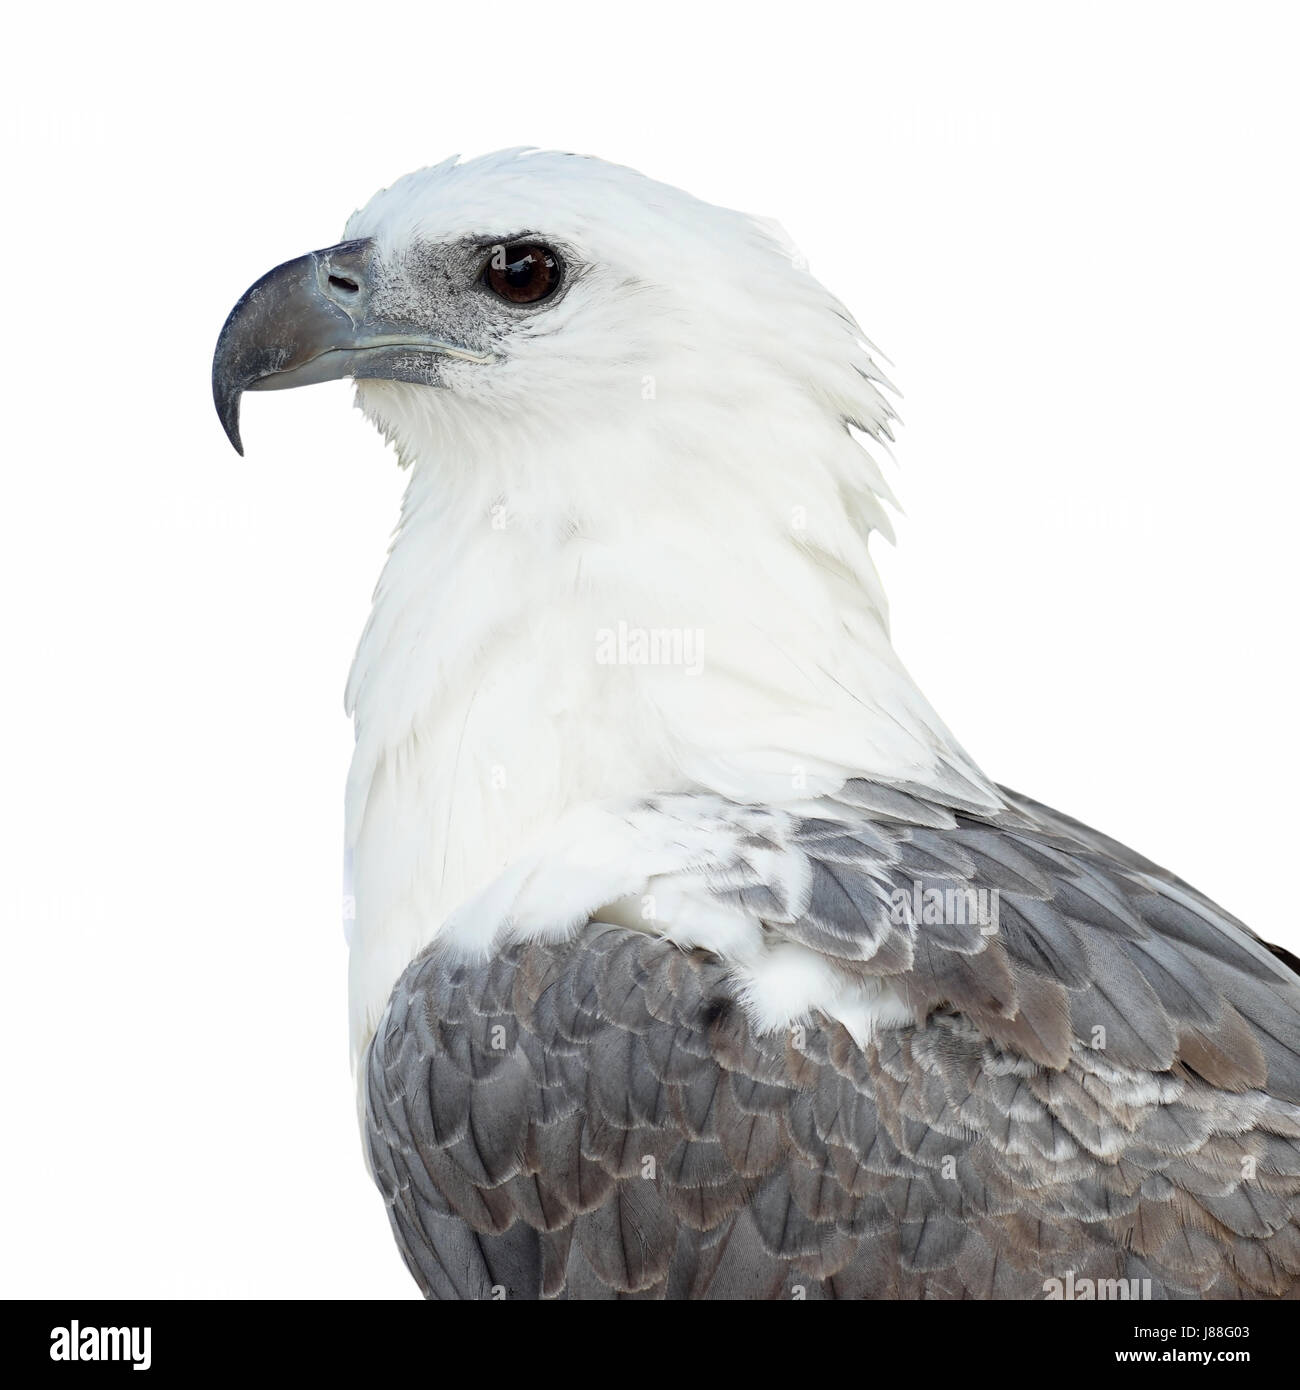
x,y
522,273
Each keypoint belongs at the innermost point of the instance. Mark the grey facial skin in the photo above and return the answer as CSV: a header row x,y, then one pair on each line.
x,y
329,314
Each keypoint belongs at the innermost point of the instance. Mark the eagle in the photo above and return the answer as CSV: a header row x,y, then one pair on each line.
x,y
691,956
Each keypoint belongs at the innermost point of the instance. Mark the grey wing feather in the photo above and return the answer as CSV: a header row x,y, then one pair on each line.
x,y
1107,1083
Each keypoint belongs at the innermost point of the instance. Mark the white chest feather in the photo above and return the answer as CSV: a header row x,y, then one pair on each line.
x,y
538,645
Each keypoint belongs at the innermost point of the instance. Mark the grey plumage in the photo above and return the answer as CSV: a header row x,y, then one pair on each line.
x,y
1107,1084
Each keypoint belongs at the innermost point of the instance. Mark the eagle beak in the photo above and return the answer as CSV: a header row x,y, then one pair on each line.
x,y
311,320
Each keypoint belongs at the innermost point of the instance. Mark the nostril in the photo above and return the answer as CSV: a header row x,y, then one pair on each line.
x,y
341,282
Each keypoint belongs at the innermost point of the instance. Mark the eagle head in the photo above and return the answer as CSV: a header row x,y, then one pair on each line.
x,y
539,290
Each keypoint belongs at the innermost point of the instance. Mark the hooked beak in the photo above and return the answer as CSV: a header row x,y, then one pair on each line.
x,y
310,320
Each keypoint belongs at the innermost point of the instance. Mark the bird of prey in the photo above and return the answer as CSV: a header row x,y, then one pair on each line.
x,y
692,956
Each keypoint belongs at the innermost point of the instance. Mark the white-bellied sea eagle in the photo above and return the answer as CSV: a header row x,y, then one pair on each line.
x,y
692,956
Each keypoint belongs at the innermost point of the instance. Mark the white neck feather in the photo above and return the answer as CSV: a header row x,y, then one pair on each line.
x,y
513,665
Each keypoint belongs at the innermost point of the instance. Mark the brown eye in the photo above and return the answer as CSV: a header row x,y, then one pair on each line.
x,y
523,274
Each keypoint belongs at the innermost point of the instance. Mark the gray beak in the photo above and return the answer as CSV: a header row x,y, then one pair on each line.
x,y
313,320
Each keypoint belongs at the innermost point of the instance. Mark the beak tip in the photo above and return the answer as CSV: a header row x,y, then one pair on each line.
x,y
232,434
227,403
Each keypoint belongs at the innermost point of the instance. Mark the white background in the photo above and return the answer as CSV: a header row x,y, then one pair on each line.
x,y
1072,228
